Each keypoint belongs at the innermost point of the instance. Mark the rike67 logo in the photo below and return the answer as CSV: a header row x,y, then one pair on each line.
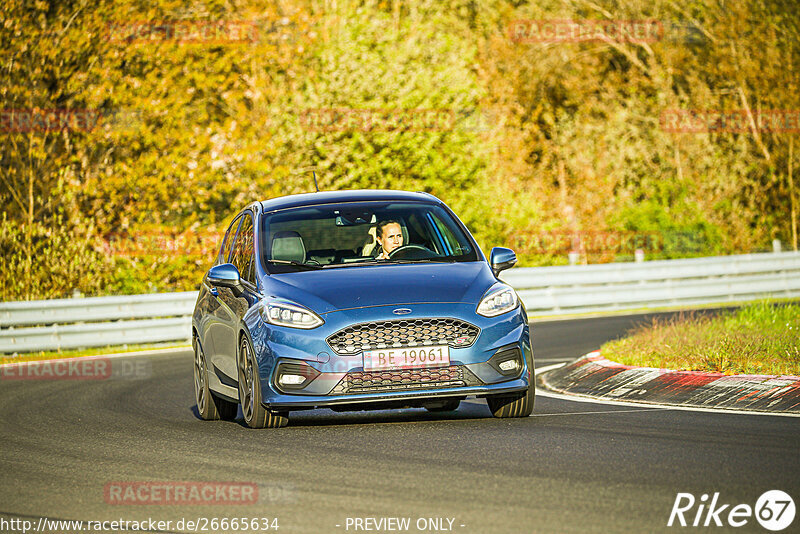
x,y
774,510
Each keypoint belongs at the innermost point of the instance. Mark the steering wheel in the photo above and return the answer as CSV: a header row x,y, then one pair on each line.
x,y
412,252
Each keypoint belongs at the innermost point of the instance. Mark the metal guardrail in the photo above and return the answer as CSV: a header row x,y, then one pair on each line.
x,y
103,321
95,321
57,337
60,311
655,284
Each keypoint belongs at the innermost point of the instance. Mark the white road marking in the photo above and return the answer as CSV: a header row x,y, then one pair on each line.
x,y
546,368
642,409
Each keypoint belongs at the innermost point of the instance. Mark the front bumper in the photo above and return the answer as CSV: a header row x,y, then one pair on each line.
x,y
339,380
285,402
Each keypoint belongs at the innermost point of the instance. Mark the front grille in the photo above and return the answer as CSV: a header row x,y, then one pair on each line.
x,y
403,333
405,380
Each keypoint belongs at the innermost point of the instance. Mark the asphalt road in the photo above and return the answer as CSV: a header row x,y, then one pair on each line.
x,y
571,467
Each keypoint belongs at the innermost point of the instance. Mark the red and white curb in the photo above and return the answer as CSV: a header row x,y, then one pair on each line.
x,y
596,377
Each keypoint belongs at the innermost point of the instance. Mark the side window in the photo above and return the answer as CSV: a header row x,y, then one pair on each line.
x,y
242,256
227,242
248,264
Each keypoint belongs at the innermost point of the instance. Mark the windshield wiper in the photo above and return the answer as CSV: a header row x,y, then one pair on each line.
x,y
422,260
359,262
295,263
375,261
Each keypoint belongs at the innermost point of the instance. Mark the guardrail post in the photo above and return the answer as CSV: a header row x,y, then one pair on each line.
x,y
573,257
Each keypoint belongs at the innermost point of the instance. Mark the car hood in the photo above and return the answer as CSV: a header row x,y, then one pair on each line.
x,y
328,290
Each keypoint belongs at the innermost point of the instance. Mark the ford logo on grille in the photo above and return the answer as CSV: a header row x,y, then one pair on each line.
x,y
401,311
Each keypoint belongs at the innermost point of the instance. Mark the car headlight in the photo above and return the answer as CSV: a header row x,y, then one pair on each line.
x,y
287,314
498,300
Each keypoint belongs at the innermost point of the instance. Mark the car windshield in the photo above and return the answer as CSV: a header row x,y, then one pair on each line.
x,y
350,234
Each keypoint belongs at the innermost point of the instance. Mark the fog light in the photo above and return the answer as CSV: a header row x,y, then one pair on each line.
x,y
291,380
507,361
509,365
294,375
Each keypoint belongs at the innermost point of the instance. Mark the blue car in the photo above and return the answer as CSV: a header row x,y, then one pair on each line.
x,y
357,300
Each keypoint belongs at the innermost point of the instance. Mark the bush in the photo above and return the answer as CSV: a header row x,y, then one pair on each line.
x,y
50,261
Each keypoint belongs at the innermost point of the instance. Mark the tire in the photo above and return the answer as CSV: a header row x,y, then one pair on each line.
x,y
516,404
255,414
449,406
209,406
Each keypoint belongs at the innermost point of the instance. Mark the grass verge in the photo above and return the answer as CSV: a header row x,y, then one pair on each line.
x,y
760,338
51,355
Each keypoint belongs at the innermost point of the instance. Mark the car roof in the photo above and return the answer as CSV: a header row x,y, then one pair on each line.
x,y
332,197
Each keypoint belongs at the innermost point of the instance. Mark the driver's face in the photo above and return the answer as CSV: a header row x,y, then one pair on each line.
x,y
392,238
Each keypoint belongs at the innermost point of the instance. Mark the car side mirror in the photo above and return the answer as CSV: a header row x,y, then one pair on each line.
x,y
502,259
225,275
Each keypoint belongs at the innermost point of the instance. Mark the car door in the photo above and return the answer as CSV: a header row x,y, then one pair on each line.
x,y
219,314
208,302
234,303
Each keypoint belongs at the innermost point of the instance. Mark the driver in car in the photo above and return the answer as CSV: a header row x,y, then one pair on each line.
x,y
389,236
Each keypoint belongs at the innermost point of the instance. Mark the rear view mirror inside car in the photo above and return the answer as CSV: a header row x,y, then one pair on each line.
x,y
352,218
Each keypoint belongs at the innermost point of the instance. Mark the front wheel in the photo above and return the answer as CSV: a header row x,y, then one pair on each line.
x,y
516,405
255,414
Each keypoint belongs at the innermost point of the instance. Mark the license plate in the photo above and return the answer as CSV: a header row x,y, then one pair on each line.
x,y
406,358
